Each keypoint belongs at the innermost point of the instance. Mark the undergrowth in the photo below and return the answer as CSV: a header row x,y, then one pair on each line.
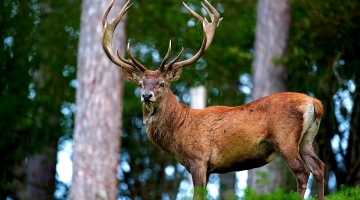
x,y
345,193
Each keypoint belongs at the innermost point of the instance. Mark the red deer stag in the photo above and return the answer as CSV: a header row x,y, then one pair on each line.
x,y
221,139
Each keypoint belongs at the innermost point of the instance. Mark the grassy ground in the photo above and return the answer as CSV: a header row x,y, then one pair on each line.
x,y
345,193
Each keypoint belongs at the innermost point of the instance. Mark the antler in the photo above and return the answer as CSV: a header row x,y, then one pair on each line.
x,y
133,64
209,31
107,36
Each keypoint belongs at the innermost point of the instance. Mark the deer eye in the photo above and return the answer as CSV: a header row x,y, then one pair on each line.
x,y
162,84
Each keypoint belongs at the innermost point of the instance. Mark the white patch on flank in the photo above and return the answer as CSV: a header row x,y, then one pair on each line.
x,y
310,127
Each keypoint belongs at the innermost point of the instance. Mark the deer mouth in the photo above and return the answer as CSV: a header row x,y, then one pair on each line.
x,y
149,102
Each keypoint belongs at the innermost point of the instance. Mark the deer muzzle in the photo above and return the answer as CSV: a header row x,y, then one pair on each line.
x,y
148,96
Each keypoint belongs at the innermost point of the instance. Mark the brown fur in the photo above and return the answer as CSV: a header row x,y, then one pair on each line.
x,y
221,139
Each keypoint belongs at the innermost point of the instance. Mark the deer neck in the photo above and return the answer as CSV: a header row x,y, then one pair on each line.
x,y
163,119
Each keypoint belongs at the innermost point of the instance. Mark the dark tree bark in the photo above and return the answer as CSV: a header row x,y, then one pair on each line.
x,y
269,76
41,174
227,185
98,115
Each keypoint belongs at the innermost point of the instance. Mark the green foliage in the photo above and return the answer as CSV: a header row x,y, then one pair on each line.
x,y
38,59
322,34
279,194
199,193
262,178
345,193
323,60
14,89
54,68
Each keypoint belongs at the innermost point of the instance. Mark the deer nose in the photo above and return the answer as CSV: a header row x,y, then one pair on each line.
x,y
146,96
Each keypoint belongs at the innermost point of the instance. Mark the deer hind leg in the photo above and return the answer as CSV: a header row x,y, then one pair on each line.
x,y
289,150
296,165
317,168
307,153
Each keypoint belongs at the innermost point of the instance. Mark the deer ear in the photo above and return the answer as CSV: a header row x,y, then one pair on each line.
x,y
173,75
131,75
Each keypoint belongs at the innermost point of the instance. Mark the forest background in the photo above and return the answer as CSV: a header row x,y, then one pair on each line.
x,y
38,83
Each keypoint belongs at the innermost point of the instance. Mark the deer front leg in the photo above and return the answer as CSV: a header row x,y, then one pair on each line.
x,y
199,178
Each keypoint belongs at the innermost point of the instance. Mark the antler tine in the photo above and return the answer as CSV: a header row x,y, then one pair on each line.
x,y
124,60
162,65
213,14
191,60
133,59
107,36
170,64
208,29
197,16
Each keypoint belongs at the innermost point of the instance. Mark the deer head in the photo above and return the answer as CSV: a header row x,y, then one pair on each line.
x,y
154,83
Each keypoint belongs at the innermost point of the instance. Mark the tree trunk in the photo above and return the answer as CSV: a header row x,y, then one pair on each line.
x,y
41,174
98,115
269,76
227,185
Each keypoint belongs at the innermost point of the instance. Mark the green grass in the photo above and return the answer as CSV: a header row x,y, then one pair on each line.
x,y
348,193
251,194
345,193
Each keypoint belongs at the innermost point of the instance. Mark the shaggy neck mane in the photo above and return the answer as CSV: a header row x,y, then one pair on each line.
x,y
163,119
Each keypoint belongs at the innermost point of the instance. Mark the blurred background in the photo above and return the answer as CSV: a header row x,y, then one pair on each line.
x,y
40,59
